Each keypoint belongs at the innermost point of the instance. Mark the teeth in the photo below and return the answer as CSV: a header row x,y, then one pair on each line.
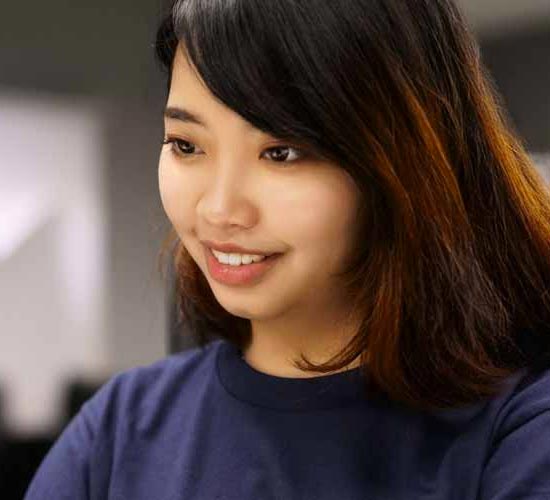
x,y
235,259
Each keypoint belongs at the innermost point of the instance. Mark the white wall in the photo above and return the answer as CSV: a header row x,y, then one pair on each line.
x,y
53,254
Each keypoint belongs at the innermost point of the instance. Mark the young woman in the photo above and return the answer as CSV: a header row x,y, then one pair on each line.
x,y
363,254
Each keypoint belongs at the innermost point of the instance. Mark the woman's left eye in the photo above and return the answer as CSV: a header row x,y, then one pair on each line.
x,y
282,153
279,154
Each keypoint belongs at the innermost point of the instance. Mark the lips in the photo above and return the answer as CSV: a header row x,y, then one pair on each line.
x,y
247,274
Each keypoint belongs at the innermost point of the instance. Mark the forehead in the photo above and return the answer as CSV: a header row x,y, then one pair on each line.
x,y
185,78
191,101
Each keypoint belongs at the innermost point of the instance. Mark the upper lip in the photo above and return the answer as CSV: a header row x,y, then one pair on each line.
x,y
231,248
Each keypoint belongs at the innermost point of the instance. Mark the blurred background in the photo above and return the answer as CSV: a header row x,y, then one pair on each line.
x,y
81,221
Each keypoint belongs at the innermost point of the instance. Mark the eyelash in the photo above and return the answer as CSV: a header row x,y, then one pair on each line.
x,y
174,149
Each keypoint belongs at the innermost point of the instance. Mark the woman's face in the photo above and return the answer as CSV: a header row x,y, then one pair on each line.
x,y
235,186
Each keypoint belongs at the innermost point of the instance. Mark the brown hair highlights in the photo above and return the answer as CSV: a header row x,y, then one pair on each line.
x,y
453,247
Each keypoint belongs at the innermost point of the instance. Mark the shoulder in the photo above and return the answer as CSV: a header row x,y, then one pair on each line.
x,y
518,459
159,385
126,413
528,397
182,365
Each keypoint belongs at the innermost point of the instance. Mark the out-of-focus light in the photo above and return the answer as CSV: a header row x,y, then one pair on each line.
x,y
53,260
22,213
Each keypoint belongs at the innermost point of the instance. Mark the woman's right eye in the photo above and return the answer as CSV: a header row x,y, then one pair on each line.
x,y
180,147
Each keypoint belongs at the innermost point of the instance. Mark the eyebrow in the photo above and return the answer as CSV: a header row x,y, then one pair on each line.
x,y
186,116
183,115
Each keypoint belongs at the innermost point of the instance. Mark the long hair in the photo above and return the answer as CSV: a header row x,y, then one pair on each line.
x,y
452,262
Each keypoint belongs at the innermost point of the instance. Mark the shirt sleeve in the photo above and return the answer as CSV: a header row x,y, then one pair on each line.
x,y
65,471
518,466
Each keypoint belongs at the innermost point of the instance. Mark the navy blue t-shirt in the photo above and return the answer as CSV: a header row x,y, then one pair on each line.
x,y
205,425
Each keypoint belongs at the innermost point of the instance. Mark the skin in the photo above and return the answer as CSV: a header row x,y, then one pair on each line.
x,y
234,187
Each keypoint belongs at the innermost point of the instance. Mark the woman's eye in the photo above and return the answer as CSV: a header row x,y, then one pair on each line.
x,y
180,147
283,153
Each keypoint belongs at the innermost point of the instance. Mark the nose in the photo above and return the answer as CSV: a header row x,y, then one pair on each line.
x,y
225,201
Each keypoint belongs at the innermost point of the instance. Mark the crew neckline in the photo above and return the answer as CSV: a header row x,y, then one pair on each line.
x,y
249,385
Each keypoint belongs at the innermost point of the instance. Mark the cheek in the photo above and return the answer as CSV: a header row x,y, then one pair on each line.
x,y
321,217
175,199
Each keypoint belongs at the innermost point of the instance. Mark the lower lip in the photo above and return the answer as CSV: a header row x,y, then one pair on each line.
x,y
245,274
